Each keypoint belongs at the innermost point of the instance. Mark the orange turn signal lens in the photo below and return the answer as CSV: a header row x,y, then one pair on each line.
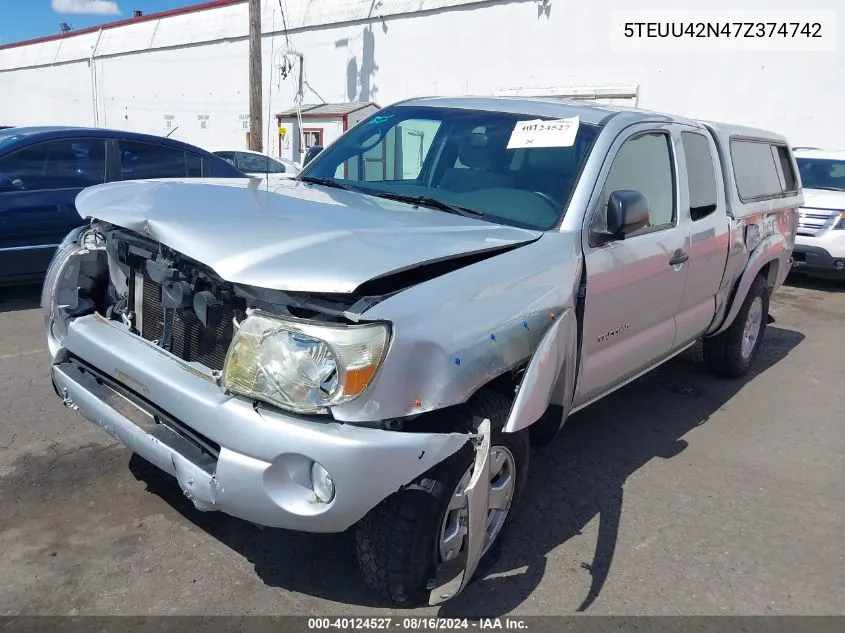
x,y
357,380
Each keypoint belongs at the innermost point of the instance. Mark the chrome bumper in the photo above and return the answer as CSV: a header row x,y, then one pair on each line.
x,y
250,462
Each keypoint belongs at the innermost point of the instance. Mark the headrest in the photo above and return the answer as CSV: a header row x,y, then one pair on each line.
x,y
474,151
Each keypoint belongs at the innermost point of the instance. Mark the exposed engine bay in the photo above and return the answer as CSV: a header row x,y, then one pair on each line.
x,y
180,304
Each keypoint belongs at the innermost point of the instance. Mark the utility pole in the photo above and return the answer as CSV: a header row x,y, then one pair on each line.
x,y
255,91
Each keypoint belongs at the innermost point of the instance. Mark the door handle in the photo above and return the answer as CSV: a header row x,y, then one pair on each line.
x,y
679,258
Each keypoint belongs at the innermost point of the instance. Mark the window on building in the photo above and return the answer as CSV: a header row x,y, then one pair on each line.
x,y
140,160
65,164
701,175
644,164
312,137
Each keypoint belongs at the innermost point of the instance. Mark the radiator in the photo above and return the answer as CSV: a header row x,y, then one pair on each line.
x,y
191,341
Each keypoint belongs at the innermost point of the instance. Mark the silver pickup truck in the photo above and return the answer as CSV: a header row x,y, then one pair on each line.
x,y
377,343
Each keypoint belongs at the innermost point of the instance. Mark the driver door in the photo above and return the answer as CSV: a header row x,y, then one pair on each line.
x,y
635,281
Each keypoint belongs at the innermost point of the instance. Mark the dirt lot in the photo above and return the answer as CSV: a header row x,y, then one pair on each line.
x,y
680,494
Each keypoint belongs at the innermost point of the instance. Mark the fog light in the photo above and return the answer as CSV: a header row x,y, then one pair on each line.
x,y
322,483
839,264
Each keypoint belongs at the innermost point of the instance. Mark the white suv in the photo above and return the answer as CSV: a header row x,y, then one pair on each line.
x,y
820,241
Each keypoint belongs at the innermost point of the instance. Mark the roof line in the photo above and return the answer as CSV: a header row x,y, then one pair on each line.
x,y
210,4
307,113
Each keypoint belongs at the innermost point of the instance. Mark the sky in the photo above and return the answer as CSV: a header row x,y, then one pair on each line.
x,y
28,19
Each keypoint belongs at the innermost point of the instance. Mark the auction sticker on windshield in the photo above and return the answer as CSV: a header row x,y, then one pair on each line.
x,y
543,133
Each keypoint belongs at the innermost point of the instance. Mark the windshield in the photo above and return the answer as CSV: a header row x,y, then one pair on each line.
x,y
822,173
461,158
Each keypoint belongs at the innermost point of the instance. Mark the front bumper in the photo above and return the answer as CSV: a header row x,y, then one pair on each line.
x,y
817,260
247,461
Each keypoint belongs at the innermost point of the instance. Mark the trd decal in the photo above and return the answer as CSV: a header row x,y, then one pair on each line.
x,y
601,338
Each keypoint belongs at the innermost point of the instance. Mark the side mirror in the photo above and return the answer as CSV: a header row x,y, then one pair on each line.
x,y
627,211
311,153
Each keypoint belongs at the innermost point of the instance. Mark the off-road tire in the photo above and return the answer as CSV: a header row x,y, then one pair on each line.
x,y
397,541
723,352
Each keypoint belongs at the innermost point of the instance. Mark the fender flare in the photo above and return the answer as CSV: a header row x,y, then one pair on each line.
x,y
773,248
550,375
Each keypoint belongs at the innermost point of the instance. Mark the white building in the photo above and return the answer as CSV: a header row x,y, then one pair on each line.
x,y
184,72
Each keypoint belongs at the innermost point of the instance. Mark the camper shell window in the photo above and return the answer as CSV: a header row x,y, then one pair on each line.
x,y
763,169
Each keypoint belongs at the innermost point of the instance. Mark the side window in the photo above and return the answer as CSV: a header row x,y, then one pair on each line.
x,y
644,164
786,170
229,157
255,163
701,175
762,170
66,164
147,160
194,164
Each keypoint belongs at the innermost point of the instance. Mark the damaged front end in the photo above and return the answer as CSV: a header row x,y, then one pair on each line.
x,y
139,337
74,284
177,364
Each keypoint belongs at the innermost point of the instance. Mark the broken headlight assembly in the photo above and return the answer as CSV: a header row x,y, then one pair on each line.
x,y
59,292
301,366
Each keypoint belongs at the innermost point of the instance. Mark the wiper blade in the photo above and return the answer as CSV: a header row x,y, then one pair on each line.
x,y
327,182
828,188
434,203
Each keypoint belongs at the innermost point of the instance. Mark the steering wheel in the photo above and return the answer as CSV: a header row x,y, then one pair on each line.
x,y
554,204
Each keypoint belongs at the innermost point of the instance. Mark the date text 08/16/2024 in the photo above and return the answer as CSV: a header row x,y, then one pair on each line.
x,y
383,623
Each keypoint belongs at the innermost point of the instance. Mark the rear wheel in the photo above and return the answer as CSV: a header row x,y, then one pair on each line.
x,y
400,543
731,353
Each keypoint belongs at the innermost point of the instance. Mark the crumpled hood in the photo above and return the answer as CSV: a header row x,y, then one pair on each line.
x,y
824,199
297,237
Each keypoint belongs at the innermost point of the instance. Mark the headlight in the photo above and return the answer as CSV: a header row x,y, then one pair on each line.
x,y
840,225
301,366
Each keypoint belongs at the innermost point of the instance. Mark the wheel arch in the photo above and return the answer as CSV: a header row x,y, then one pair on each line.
x,y
766,260
549,377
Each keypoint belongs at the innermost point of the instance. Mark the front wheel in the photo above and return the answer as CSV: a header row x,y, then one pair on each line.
x,y
731,353
400,543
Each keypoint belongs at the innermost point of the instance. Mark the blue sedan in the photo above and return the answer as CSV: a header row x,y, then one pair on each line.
x,y
42,169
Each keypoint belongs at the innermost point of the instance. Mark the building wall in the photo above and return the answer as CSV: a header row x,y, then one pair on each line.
x,y
195,65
